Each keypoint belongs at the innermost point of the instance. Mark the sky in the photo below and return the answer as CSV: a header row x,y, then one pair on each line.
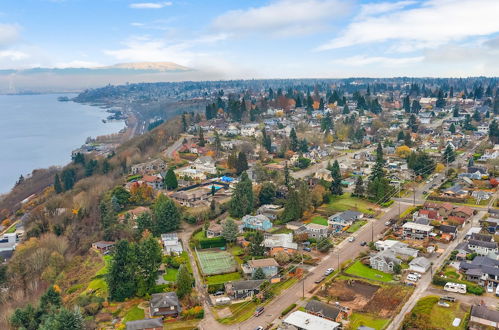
x,y
258,38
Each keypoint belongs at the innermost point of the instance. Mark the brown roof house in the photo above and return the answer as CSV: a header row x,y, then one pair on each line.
x,y
269,266
164,304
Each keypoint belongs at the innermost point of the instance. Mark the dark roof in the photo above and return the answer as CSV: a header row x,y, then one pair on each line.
x,y
326,310
167,299
481,237
246,285
448,229
490,245
144,324
485,313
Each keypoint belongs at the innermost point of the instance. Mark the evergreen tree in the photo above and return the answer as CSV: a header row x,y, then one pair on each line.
x,y
286,175
258,274
476,116
449,155
149,255
68,178
421,163
64,319
378,169
218,144
242,163
412,123
415,106
266,141
336,188
494,132
202,142
242,199
292,208
57,184
50,300
170,180
327,125
359,187
79,158
406,104
346,110
267,193
400,136
145,222
229,230
452,128
256,246
407,139
184,123
165,214
321,104
184,282
121,278
455,112
294,140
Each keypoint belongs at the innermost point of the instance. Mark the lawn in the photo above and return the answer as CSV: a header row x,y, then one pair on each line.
x,y
217,279
98,283
362,270
171,274
319,220
11,230
347,202
199,235
427,311
134,314
240,312
357,320
236,250
356,226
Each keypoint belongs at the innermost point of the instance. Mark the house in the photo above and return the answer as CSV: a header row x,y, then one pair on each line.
x,y
164,304
189,172
305,321
294,225
153,181
342,220
400,249
384,261
242,289
271,211
145,324
280,243
323,174
481,270
420,265
479,171
102,246
480,195
205,164
193,197
448,232
133,214
463,212
214,230
313,230
257,222
171,244
413,230
484,316
156,165
327,311
456,191
269,266
483,248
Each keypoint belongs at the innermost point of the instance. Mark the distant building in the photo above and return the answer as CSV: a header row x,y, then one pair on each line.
x,y
484,316
171,244
414,230
103,246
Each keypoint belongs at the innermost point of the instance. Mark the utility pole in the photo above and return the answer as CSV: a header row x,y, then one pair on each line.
x,y
372,231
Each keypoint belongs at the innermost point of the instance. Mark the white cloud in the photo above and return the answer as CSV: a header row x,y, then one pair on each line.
x,y
150,5
372,9
434,23
13,55
282,17
9,33
362,60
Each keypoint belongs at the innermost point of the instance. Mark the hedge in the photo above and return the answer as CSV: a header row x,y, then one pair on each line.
x,y
212,288
212,242
386,204
470,288
288,309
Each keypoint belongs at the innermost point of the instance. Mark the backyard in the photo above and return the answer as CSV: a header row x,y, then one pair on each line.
x,y
427,311
319,220
356,226
347,202
367,320
170,274
223,278
361,270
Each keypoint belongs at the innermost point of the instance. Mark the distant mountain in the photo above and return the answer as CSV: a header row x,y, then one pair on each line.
x,y
148,66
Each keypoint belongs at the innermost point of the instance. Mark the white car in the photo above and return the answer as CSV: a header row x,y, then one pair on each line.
x,y
329,271
351,239
388,223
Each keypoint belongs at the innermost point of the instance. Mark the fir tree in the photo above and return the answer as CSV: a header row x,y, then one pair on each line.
x,y
184,282
449,155
170,180
336,188
294,140
121,278
359,187
242,199
165,214
202,142
241,163
57,184
452,128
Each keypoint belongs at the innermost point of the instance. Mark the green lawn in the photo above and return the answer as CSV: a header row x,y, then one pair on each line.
x,y
347,202
170,275
240,312
217,279
428,311
98,283
368,320
319,220
356,226
11,230
134,314
236,250
199,235
362,270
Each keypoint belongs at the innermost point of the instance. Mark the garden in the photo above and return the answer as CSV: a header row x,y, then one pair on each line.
x,y
361,270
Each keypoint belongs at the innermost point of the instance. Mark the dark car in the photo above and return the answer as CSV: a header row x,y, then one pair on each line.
x,y
448,298
320,279
218,293
259,311
307,249
364,243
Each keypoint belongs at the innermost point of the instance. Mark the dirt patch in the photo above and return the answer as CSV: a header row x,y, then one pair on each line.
x,y
224,312
354,294
386,301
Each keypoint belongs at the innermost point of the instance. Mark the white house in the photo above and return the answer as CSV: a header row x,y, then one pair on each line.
x,y
171,244
420,265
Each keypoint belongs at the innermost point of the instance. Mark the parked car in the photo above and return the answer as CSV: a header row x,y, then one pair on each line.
x,y
329,271
351,239
448,298
259,327
412,278
363,243
320,279
388,223
307,249
443,303
218,293
259,311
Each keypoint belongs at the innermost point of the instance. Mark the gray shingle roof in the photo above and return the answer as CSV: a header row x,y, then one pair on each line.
x,y
144,324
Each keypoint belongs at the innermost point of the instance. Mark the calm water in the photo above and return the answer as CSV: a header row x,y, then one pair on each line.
x,y
37,131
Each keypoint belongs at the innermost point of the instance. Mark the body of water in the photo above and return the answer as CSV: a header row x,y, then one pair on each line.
x,y
37,131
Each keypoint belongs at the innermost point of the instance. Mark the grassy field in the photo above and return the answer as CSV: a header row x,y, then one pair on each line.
x,y
217,279
347,202
11,230
281,230
427,311
134,314
171,275
356,226
240,312
362,270
319,220
98,283
183,325
357,320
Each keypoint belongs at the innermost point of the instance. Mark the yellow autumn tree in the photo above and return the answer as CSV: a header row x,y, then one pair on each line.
x,y
403,151
440,167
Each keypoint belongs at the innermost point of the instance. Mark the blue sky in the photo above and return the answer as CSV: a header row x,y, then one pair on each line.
x,y
258,39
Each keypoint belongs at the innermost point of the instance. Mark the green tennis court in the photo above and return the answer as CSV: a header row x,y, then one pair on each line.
x,y
216,262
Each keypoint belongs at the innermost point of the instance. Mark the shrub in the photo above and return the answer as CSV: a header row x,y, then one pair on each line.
x,y
212,288
288,309
212,242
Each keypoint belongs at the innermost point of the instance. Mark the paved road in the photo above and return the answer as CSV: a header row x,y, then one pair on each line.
x,y
425,281
175,146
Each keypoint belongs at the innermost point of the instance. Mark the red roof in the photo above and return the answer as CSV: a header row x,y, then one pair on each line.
x,y
431,214
447,206
465,209
455,219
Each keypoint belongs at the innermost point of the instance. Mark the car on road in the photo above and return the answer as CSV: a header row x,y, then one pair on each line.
x,y
363,243
388,223
425,192
218,293
448,298
328,271
259,327
259,311
443,304
351,239
320,279
307,249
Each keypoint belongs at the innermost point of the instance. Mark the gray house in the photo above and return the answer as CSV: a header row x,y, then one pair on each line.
x,y
243,289
164,304
384,261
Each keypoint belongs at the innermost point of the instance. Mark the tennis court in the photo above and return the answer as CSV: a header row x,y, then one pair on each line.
x,y
214,262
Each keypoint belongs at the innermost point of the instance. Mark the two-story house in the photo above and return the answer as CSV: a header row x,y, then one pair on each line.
x,y
483,248
384,261
164,304
342,220
269,266
280,243
257,222
242,289
412,230
313,230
